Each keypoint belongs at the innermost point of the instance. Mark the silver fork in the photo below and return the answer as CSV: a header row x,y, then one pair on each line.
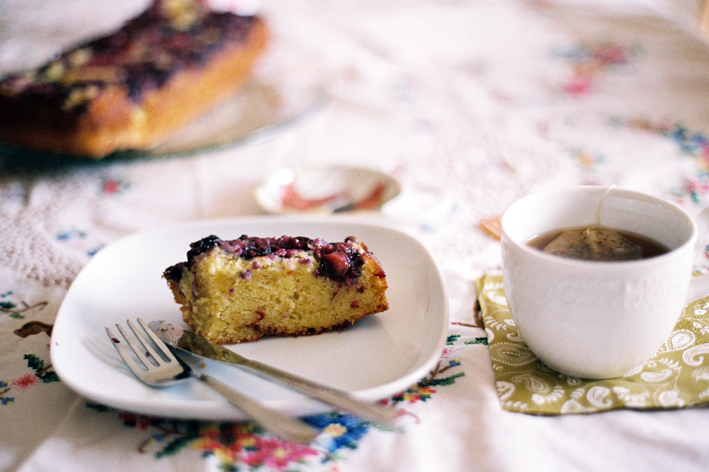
x,y
163,368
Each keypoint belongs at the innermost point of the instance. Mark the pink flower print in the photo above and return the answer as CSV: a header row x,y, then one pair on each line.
x,y
111,186
695,188
589,62
25,382
611,54
579,84
277,454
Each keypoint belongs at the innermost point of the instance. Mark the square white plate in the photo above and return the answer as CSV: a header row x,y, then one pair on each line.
x,y
377,357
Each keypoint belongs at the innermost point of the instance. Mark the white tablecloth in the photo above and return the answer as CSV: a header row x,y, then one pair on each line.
x,y
477,102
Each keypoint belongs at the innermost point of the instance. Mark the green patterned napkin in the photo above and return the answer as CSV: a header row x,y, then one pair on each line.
x,y
676,376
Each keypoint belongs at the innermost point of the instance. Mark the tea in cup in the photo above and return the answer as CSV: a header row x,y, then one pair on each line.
x,y
596,317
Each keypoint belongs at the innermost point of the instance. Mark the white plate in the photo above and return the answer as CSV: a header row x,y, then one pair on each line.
x,y
326,190
377,357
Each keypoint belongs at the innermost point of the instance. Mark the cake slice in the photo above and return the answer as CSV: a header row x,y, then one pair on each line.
x,y
133,88
240,290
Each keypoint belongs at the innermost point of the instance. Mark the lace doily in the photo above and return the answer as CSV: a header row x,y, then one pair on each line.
x,y
35,218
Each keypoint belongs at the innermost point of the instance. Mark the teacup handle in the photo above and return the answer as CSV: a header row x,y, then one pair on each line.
x,y
699,285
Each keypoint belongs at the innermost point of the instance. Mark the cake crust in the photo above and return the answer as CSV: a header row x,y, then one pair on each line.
x,y
292,287
133,88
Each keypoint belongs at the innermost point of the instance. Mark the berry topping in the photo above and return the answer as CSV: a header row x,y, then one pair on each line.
x,y
143,55
337,264
338,261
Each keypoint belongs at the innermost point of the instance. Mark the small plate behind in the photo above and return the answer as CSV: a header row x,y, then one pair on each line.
x,y
328,190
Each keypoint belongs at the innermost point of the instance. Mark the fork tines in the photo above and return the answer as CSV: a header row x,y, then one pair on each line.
x,y
152,353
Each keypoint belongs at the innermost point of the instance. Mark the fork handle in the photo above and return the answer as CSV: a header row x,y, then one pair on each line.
x,y
276,422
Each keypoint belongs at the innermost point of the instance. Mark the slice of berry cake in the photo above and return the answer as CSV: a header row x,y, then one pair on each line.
x,y
240,290
133,88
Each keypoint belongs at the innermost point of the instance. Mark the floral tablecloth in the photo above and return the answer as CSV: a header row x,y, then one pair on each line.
x,y
475,102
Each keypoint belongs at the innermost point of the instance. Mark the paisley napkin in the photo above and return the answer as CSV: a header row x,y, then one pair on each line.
x,y
676,376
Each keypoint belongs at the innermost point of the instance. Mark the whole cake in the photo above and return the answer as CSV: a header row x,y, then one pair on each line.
x,y
134,88
243,289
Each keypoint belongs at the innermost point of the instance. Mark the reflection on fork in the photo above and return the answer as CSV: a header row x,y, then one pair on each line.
x,y
154,363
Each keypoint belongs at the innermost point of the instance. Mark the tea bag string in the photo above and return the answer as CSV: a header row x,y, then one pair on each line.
x,y
598,210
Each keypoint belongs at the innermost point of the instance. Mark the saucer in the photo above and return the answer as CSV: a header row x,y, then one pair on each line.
x,y
328,190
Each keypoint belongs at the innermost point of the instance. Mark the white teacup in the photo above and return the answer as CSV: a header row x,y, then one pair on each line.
x,y
592,319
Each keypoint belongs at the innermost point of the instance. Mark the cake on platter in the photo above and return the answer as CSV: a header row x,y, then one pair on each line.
x,y
135,87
